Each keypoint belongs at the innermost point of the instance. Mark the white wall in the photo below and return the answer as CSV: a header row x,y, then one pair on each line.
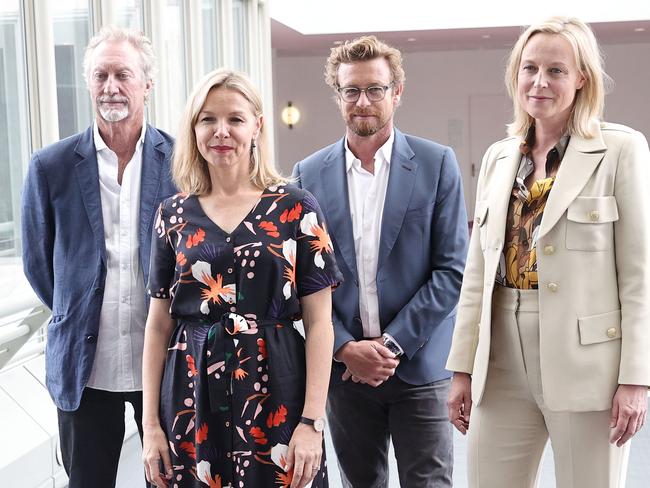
x,y
456,98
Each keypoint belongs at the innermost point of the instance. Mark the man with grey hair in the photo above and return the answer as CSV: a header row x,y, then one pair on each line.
x,y
87,213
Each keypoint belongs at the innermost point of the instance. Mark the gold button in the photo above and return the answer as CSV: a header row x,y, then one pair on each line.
x,y
611,332
552,286
549,249
594,215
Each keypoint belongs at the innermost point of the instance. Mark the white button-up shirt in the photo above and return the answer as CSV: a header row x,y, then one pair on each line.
x,y
367,193
118,357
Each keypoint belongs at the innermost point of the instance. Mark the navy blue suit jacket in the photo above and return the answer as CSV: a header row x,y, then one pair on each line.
x,y
64,252
421,254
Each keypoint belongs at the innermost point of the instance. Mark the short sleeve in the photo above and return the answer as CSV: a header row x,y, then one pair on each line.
x,y
316,267
163,258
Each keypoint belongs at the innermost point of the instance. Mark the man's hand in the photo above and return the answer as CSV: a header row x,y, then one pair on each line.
x,y
367,361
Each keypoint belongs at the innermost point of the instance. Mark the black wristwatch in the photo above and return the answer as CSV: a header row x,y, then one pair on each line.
x,y
318,423
391,345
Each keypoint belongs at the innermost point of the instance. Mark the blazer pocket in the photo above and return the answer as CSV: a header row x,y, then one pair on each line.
x,y
590,223
480,219
600,328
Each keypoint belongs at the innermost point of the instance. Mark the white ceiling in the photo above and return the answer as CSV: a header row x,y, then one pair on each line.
x,y
303,28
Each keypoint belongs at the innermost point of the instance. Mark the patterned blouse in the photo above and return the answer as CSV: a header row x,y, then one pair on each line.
x,y
518,263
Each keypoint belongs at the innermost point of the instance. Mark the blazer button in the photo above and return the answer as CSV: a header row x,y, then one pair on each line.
x,y
611,332
552,287
549,249
90,339
357,320
594,215
98,291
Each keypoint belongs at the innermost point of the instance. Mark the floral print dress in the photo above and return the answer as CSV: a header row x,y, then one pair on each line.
x,y
234,382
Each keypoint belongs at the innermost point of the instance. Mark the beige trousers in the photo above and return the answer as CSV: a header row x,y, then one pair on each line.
x,y
509,429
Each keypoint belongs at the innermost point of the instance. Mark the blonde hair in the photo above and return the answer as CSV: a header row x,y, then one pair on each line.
x,y
364,48
589,101
112,33
189,168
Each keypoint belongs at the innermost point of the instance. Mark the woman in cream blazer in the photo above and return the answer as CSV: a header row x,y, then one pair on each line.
x,y
568,357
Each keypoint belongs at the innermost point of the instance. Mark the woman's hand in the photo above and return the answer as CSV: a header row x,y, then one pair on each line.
x,y
629,408
155,449
459,402
304,455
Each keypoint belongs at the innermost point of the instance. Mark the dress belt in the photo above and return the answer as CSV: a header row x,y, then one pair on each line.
x,y
222,357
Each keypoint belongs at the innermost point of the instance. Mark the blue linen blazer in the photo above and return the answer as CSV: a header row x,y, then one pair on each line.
x,y
64,251
421,254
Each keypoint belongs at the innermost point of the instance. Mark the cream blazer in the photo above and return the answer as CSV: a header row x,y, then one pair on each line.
x,y
593,255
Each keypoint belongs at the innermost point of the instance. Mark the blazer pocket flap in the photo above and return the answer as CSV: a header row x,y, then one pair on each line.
x,y
600,328
481,213
593,210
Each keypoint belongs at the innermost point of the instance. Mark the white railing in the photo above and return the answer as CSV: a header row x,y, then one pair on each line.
x,y
21,319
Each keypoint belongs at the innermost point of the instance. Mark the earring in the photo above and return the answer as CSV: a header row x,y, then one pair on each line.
x,y
253,145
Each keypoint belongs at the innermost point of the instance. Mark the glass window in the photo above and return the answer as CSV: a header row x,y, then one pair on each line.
x,y
170,88
128,13
210,16
14,137
71,29
240,35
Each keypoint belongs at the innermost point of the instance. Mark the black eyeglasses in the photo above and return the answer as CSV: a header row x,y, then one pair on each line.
x,y
374,93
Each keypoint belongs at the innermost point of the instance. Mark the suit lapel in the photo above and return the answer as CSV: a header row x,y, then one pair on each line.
x,y
88,178
337,205
401,179
499,198
580,160
152,164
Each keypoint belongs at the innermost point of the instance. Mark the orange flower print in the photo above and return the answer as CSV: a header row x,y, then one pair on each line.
x,y
270,228
322,242
291,215
277,418
261,345
181,259
189,448
204,474
201,433
215,290
259,436
289,253
284,479
279,457
191,366
195,239
240,374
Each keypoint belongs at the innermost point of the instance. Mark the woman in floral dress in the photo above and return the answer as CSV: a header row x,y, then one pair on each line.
x,y
230,386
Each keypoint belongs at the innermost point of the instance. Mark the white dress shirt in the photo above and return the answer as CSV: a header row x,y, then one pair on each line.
x,y
118,357
367,193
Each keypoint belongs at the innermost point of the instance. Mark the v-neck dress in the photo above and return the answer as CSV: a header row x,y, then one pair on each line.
x,y
233,387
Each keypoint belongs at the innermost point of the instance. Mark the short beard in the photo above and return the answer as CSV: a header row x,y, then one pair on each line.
x,y
114,115
365,129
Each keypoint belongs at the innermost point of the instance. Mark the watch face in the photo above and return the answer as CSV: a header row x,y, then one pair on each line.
x,y
319,424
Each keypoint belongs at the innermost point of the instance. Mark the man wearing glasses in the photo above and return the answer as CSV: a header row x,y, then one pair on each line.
x,y
395,211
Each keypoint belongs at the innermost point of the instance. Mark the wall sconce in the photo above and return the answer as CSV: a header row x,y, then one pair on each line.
x,y
290,115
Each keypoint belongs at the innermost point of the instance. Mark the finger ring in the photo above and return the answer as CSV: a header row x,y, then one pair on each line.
x,y
315,469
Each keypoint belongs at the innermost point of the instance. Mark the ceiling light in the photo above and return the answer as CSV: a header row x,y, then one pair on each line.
x,y
639,29
411,39
485,36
